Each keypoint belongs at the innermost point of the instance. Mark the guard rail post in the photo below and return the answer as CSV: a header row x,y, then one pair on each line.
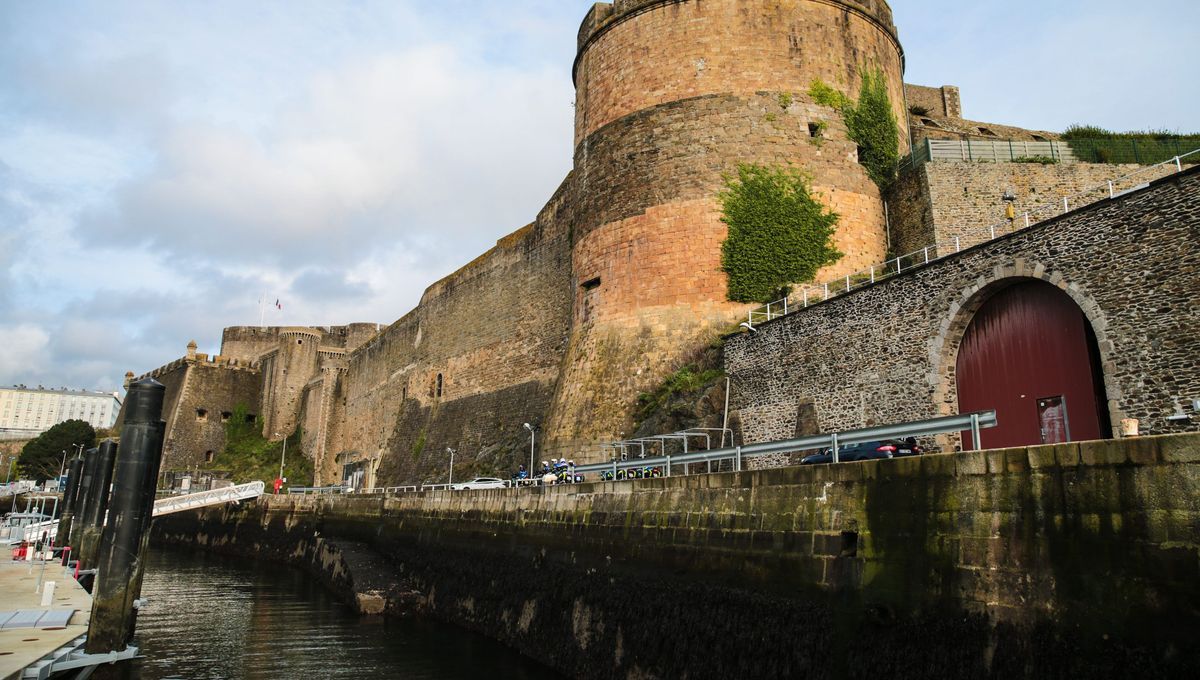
x,y
975,436
834,440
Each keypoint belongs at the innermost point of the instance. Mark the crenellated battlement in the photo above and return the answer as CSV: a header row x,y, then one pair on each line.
x,y
201,361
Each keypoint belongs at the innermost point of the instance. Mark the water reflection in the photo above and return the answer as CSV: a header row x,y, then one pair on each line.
x,y
213,617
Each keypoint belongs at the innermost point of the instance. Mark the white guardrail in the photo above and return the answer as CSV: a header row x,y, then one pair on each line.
x,y
810,294
229,494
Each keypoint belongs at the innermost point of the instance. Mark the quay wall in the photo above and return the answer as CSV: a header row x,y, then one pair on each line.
x,y
1079,560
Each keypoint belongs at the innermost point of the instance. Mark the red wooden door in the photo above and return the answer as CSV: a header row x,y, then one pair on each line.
x,y
1030,354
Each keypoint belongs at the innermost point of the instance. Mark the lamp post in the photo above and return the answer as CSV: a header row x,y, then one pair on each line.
x,y
450,479
532,437
282,455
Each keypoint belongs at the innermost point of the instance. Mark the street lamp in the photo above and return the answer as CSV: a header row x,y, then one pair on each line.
x,y
450,479
532,438
282,456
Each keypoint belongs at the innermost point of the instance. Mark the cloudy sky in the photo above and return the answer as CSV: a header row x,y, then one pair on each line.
x,y
166,165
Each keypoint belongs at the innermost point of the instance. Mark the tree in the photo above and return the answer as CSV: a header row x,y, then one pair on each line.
x,y
778,233
42,458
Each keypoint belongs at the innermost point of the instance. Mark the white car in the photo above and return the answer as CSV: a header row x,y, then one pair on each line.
x,y
480,483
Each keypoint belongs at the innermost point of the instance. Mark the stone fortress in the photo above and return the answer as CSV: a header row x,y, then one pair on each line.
x,y
617,281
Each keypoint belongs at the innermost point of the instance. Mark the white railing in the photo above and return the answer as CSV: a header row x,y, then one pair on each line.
x,y
389,489
810,294
229,494
17,488
29,532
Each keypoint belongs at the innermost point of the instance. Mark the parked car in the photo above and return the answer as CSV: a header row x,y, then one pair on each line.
x,y
887,448
480,483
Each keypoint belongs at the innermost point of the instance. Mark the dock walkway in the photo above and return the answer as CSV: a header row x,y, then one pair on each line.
x,y
21,597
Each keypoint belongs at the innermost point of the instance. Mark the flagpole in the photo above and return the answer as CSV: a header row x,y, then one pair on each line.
x,y
262,311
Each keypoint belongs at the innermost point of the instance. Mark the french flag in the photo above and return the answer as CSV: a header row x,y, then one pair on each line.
x,y
277,305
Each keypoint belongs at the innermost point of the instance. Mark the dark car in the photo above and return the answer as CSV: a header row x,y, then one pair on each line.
x,y
887,448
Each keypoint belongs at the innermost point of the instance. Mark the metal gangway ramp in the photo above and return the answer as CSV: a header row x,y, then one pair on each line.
x,y
230,494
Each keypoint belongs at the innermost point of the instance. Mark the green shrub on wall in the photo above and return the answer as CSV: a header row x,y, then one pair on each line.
x,y
870,122
778,233
248,456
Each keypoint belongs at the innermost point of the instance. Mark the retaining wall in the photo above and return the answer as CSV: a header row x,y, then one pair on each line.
x,y
1078,560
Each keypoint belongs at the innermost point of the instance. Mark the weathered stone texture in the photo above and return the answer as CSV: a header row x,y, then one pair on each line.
x,y
497,326
202,394
650,53
886,353
945,101
1078,560
941,201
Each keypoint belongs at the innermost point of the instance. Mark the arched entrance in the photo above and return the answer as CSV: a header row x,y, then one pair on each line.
x,y
1030,354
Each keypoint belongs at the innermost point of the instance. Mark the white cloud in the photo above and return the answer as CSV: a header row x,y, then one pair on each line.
x,y
26,347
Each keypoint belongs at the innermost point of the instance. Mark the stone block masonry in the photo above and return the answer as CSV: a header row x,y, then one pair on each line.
x,y
887,353
1077,560
941,201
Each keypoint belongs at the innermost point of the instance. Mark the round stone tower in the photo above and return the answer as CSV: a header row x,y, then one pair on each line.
x,y
670,96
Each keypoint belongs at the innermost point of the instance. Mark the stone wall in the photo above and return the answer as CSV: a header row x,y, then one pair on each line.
x,y
475,360
886,353
639,55
936,127
202,394
940,201
1077,560
944,102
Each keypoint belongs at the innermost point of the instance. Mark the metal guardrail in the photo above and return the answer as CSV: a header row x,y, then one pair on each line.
x,y
388,489
317,490
923,428
810,294
229,494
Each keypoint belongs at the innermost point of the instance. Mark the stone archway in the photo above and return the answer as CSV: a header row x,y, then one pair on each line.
x,y
945,346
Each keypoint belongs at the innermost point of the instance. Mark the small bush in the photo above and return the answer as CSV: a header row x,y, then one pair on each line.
x,y
870,122
918,110
1038,160
248,456
778,233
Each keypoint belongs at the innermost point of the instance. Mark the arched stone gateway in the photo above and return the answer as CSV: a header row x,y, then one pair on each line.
x,y
1031,354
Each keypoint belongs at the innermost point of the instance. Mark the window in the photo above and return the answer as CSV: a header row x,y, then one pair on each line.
x,y
591,284
986,132
250,417
929,123
225,416
439,385
209,456
814,130
201,415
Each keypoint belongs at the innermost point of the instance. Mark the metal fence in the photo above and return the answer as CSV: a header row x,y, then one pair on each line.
x,y
1115,151
809,294
835,441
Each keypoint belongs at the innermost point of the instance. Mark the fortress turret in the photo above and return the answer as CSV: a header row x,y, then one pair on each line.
x,y
671,95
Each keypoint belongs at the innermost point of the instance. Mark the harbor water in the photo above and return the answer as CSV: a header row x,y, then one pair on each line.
x,y
217,617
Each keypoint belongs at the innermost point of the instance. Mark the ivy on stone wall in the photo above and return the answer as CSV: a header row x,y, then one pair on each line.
x,y
870,122
778,233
